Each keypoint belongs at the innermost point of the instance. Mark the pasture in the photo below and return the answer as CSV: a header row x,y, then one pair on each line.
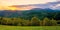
x,y
5,27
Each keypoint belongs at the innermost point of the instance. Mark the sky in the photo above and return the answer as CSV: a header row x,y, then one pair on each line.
x,y
23,2
4,4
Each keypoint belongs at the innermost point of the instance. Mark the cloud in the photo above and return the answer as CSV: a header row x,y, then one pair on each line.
x,y
24,2
28,4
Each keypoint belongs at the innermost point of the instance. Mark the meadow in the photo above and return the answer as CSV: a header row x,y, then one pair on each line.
x,y
5,27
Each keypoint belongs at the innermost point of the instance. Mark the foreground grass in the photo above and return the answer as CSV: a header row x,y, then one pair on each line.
x,y
3,27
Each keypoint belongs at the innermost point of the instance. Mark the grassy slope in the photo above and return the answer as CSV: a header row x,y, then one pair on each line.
x,y
3,27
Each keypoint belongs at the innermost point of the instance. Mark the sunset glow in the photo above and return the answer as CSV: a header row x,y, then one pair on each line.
x,y
4,4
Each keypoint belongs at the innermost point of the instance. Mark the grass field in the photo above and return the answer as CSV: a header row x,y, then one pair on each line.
x,y
3,27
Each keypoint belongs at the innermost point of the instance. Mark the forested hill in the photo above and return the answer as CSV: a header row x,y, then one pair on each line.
x,y
28,14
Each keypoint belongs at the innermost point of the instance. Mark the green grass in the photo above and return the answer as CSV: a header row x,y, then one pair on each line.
x,y
3,27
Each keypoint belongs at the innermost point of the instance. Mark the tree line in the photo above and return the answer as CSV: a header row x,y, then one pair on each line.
x,y
22,22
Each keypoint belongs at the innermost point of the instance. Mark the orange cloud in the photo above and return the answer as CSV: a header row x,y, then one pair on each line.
x,y
16,7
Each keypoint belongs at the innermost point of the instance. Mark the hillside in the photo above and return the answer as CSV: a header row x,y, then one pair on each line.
x,y
28,14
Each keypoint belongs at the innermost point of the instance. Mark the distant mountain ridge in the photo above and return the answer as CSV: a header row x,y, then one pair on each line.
x,y
28,14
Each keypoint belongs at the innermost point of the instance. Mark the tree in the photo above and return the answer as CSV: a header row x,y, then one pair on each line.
x,y
35,21
1,18
53,22
46,22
